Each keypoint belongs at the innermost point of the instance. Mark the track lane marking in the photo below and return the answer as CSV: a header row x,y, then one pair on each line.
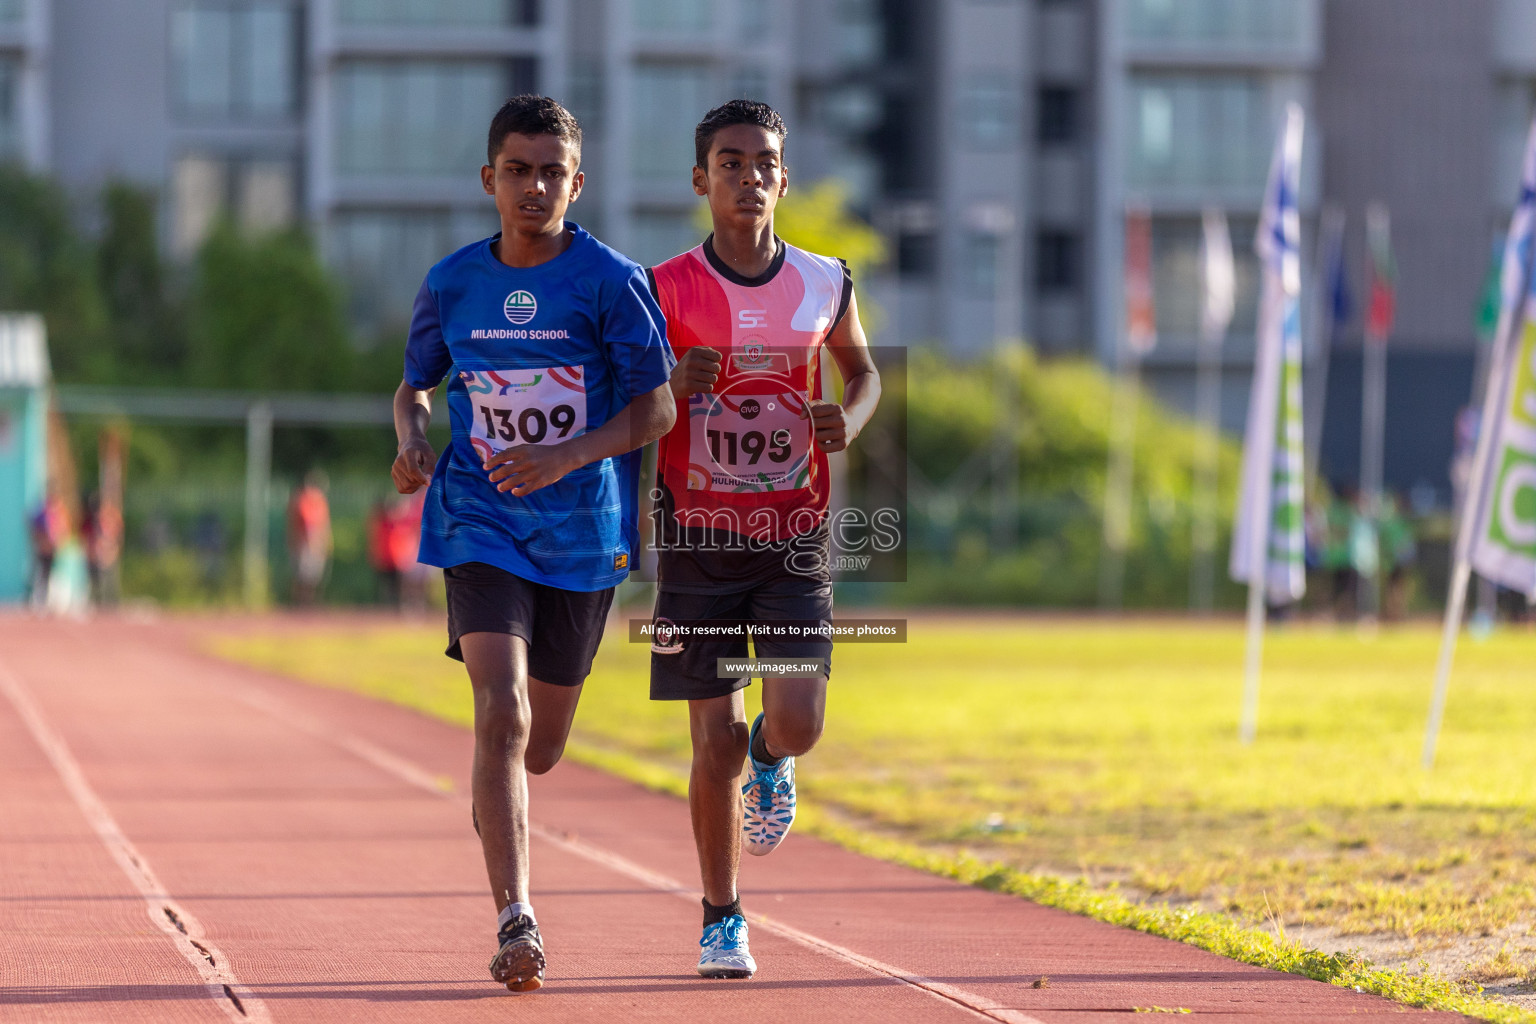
x,y
951,995
186,933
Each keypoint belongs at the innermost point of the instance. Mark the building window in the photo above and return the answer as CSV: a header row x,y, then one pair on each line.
x,y
1231,23
522,13
257,193
10,113
857,30
235,59
978,263
588,89
1199,131
1058,114
668,100
673,15
1515,102
419,117
750,84
916,253
989,112
1058,261
383,255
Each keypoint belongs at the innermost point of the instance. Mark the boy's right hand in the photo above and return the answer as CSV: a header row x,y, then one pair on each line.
x,y
696,372
413,466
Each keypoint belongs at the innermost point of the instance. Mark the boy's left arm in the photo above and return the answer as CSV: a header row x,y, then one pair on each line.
x,y
838,424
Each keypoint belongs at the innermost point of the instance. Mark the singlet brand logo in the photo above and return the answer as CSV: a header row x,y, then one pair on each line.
x,y
751,317
520,306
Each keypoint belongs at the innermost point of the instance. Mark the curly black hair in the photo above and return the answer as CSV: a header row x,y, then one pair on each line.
x,y
735,112
531,115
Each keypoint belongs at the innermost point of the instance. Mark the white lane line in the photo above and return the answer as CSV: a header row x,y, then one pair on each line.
x,y
186,934
953,996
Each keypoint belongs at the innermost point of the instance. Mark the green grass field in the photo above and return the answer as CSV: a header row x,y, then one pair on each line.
x,y
1108,751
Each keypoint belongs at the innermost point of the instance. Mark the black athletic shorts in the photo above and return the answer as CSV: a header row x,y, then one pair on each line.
x,y
562,628
690,674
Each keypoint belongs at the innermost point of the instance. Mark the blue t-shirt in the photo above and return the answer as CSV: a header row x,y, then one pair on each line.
x,y
535,355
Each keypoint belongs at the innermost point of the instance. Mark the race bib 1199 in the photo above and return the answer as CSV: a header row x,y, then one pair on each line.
x,y
742,442
513,407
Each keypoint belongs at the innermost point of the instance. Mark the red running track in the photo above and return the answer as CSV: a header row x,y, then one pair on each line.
x,y
186,840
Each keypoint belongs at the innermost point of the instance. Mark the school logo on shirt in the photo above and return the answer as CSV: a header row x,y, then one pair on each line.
x,y
520,306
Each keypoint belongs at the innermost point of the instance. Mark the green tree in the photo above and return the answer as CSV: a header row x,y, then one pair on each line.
x,y
818,219
46,267
148,331
265,315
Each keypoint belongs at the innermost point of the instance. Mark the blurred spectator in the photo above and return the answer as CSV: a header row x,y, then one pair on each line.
x,y
1399,553
102,534
394,534
50,530
208,540
309,537
413,574
1335,559
381,551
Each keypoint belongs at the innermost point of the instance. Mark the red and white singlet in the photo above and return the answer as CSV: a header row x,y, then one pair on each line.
x,y
740,461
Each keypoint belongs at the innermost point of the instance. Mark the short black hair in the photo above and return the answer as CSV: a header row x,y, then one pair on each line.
x,y
531,115
735,112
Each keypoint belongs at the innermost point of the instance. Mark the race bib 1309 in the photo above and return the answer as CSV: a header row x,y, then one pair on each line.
x,y
513,407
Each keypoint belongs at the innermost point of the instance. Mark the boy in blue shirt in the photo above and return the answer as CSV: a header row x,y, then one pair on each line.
x,y
558,369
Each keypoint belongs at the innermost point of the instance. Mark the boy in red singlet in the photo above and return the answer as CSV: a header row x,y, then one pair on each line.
x,y
742,522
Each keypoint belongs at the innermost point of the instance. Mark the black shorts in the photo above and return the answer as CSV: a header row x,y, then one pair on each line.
x,y
690,674
562,628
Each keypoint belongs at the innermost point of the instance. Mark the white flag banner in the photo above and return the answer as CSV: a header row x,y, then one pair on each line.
x,y
1504,541
1271,499
1220,277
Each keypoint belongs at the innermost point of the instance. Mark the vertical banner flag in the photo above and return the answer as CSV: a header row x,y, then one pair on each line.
x,y
1220,277
1271,501
1140,312
1215,318
1504,544
1382,308
1496,530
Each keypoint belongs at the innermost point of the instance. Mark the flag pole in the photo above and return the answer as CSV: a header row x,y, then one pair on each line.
x,y
1262,515
1215,318
1118,484
1495,392
1138,338
1330,238
1373,408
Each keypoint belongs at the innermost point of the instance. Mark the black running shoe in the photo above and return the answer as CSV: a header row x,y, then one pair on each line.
x,y
519,963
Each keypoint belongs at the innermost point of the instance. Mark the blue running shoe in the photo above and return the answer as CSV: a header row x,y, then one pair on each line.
x,y
768,803
725,952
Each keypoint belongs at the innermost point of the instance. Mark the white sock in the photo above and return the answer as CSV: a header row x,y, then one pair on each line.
x,y
512,910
